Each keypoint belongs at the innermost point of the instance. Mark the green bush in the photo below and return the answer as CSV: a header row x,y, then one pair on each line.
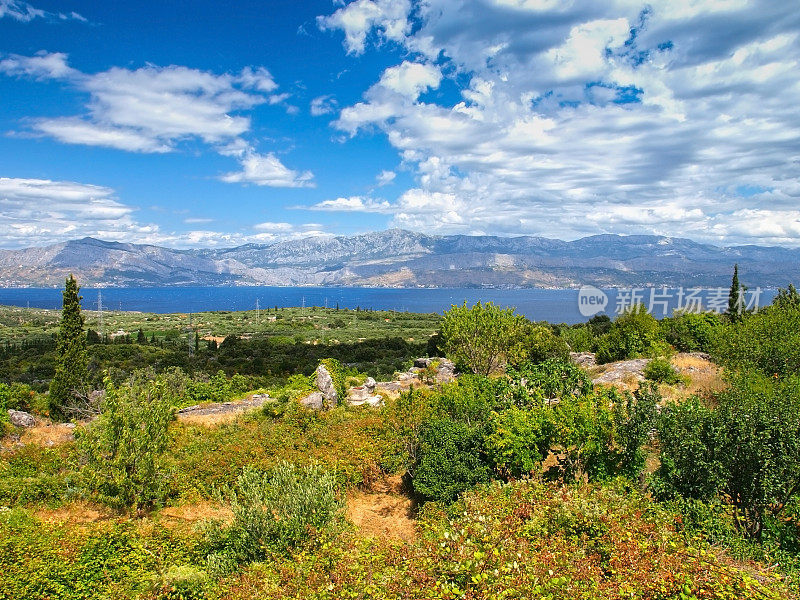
x,y
532,384
451,459
661,370
691,332
273,511
125,446
519,440
691,465
633,334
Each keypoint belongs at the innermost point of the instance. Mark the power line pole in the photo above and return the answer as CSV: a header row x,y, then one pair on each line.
x,y
100,310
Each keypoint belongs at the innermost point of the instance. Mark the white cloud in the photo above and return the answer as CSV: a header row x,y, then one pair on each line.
x,y
322,105
43,65
24,12
353,204
153,109
388,18
586,117
268,170
385,178
273,227
410,79
40,211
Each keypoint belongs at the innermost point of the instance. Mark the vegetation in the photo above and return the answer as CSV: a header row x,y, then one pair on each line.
x,y
124,447
70,378
522,479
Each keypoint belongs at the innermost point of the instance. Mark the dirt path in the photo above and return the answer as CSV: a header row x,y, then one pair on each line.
x,y
385,512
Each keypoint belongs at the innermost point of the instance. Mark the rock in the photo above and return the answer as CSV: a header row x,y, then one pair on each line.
x,y
314,401
359,395
326,387
446,371
422,363
370,384
20,418
69,425
583,359
620,371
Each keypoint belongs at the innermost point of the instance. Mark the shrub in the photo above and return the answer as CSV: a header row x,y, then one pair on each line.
x,y
691,464
482,338
633,334
661,370
124,447
691,332
272,511
532,384
519,440
451,459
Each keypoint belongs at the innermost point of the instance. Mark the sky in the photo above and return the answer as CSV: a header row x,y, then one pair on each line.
x,y
195,123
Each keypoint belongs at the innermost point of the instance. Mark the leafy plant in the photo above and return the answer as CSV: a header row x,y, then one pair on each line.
x,y
124,447
273,511
451,459
660,370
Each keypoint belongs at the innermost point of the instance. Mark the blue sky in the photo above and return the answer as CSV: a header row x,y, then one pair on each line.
x,y
196,124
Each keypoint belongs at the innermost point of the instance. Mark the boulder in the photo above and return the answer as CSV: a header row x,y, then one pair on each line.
x,y
422,363
446,371
20,418
583,359
325,386
370,384
314,401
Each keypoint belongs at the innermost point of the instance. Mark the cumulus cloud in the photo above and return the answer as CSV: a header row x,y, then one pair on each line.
x,y
154,109
24,12
585,117
385,178
39,212
387,18
353,204
267,169
322,105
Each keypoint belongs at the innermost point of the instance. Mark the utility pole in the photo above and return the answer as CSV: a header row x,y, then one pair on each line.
x,y
100,310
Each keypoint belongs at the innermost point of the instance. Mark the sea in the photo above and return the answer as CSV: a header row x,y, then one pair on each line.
x,y
552,305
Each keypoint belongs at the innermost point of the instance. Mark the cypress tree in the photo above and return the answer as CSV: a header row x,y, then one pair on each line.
x,y
735,298
71,375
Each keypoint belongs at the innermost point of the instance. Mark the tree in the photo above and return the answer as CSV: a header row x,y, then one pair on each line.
x,y
484,337
71,376
124,447
633,334
736,296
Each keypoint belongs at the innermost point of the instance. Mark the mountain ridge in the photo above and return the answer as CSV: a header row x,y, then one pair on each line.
x,y
401,258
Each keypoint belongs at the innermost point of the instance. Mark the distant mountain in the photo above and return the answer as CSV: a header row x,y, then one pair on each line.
x,y
398,258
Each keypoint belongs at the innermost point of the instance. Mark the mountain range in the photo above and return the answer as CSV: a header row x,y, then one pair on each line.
x,y
399,258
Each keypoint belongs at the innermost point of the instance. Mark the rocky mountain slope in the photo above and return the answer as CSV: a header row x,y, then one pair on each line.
x,y
398,258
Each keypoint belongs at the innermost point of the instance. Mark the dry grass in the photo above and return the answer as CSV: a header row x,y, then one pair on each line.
x,y
386,512
196,511
75,513
705,377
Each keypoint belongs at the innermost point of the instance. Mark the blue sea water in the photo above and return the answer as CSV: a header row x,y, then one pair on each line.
x,y
553,305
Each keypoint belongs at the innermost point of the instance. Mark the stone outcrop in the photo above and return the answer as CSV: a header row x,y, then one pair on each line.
x,y
618,372
20,418
324,382
583,359
314,401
